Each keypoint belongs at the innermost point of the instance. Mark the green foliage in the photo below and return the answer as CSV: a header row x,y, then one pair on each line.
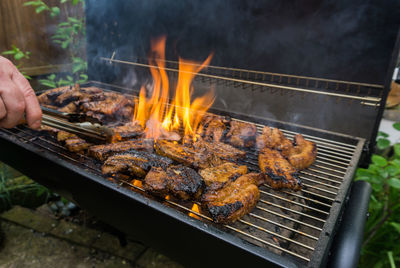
x,y
381,246
14,189
18,55
70,35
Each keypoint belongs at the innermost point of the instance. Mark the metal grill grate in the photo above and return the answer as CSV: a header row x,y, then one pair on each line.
x,y
288,223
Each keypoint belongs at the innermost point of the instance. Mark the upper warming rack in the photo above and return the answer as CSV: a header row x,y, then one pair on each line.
x,y
362,93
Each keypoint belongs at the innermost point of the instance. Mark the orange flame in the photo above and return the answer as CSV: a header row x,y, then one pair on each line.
x,y
195,208
155,114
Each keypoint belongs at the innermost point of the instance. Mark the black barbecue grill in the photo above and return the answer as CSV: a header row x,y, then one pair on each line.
x,y
286,228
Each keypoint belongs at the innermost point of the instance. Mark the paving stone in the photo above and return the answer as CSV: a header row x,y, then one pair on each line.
x,y
24,248
28,218
75,233
154,259
110,243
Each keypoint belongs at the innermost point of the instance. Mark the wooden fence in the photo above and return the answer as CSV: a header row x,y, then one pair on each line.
x,y
22,27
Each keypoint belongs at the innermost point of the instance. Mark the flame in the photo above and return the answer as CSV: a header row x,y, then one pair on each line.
x,y
137,183
195,208
155,114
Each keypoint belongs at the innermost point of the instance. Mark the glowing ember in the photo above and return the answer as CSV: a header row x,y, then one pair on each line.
x,y
196,209
155,114
138,183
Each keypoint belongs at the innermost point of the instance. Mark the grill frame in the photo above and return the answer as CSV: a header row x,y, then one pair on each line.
x,y
206,235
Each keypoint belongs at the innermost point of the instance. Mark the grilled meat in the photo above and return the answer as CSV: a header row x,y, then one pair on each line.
x,y
128,131
179,181
273,138
221,150
187,155
77,145
72,142
216,177
134,163
279,172
235,199
50,96
62,136
242,134
111,103
69,108
102,152
303,153
214,127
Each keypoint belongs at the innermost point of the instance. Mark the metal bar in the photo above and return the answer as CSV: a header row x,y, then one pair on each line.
x,y
371,99
330,169
283,226
322,178
276,234
334,153
267,243
329,164
331,160
294,202
319,195
319,189
277,74
289,218
335,157
320,172
305,198
291,210
321,183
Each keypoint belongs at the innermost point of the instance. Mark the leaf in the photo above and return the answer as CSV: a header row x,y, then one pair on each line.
x,y
383,143
391,260
52,76
65,44
392,170
379,160
382,134
396,149
47,83
397,125
55,11
394,182
396,226
8,52
19,55
41,9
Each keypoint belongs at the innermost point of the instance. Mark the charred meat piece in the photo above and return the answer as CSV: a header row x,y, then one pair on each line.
x,y
273,138
102,152
216,177
72,142
50,96
242,134
69,108
111,104
134,163
186,154
128,131
279,172
235,199
303,153
179,181
221,150
62,136
214,127
77,145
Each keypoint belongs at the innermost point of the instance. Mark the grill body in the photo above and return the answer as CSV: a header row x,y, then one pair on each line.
x,y
167,226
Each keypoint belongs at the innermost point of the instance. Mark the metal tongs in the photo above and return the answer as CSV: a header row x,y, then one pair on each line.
x,y
76,123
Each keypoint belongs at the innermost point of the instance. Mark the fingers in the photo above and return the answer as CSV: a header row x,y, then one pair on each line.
x,y
3,111
32,107
13,101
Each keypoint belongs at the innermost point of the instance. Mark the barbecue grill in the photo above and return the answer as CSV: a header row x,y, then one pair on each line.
x,y
339,112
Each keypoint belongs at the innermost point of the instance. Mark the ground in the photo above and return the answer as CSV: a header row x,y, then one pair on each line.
x,y
33,240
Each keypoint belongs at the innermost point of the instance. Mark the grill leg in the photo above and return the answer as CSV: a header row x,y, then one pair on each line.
x,y
347,243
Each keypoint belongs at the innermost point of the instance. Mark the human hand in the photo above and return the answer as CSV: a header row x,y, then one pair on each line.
x,y
16,98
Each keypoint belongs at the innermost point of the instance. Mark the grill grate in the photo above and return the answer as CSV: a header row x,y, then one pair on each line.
x,y
288,223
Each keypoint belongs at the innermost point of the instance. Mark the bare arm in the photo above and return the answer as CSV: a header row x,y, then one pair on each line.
x,y
16,98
